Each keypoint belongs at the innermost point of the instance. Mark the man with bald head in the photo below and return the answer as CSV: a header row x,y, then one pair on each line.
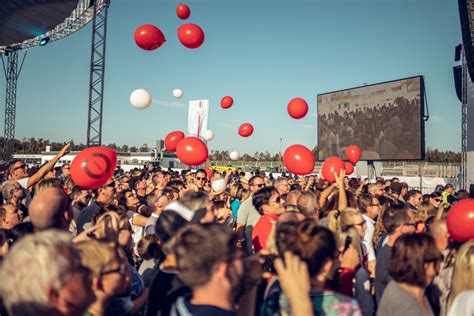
x,y
440,234
50,208
308,205
292,201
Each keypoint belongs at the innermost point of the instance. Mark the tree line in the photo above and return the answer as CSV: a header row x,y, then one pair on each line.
x,y
36,146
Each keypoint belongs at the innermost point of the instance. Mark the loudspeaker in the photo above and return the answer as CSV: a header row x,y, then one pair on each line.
x,y
457,52
457,74
466,14
471,191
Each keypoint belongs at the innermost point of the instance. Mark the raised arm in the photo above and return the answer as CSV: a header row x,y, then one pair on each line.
x,y
47,167
324,195
342,203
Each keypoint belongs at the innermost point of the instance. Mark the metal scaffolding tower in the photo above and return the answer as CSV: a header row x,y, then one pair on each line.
x,y
12,72
465,87
97,72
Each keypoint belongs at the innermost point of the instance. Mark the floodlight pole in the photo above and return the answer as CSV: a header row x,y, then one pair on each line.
x,y
97,73
12,72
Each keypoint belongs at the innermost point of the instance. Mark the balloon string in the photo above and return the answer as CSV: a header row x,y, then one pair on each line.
x,y
199,119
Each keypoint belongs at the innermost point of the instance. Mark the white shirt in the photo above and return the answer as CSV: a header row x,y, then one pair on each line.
x,y
369,234
23,182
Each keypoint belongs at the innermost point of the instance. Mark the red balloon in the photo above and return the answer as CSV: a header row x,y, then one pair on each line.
x,y
353,153
226,102
461,220
149,37
93,167
172,140
245,130
190,35
209,172
182,11
299,160
349,167
297,108
192,151
331,165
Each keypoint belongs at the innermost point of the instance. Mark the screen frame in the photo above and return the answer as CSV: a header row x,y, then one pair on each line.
x,y
422,116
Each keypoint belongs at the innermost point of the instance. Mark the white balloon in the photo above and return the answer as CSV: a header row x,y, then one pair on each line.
x,y
234,155
178,93
140,99
208,135
219,185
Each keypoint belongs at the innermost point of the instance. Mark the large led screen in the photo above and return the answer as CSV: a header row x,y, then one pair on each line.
x,y
385,120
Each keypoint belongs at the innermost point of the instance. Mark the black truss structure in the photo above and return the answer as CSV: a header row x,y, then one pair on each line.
x,y
12,72
97,72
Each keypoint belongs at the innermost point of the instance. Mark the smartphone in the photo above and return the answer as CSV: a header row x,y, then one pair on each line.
x,y
268,265
347,243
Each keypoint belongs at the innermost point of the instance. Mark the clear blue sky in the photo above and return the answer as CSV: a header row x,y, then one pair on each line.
x,y
261,52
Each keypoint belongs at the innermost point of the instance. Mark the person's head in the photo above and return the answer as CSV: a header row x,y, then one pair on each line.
x,y
50,208
256,183
351,218
282,186
285,229
397,222
355,237
308,205
80,197
159,180
449,188
200,178
268,201
375,189
43,275
396,187
292,197
48,183
149,247
17,170
65,170
415,260
19,231
110,274
10,216
12,191
207,258
440,234
316,246
369,205
114,226
414,197
404,190
463,275
198,201
157,203
130,198
106,194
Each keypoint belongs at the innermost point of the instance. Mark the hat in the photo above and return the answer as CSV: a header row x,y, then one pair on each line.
x,y
396,187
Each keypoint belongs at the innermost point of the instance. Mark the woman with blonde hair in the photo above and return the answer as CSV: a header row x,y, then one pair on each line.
x,y
110,274
115,227
349,235
463,275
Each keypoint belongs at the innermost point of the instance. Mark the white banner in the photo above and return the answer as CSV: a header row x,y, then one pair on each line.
x,y
198,117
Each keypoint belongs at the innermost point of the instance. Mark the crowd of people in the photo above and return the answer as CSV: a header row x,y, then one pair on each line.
x,y
376,129
164,242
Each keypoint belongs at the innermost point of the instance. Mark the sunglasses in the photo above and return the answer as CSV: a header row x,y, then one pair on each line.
x,y
260,185
277,200
22,166
122,270
200,178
